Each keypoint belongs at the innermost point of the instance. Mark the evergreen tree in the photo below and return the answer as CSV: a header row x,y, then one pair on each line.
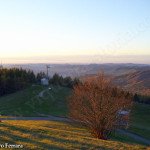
x,y
136,98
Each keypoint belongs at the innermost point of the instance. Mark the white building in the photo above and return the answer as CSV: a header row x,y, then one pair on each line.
x,y
44,81
124,114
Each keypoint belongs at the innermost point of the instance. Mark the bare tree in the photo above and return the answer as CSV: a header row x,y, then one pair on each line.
x,y
96,103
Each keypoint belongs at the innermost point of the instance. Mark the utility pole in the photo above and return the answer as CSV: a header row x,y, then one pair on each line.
x,y
47,67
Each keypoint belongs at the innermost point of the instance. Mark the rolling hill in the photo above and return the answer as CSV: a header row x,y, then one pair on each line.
x,y
136,81
83,69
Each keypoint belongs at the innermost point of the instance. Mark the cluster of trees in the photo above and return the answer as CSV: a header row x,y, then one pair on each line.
x,y
63,81
58,80
97,104
15,79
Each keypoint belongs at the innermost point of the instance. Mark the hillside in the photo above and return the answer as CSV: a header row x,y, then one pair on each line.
x,y
28,102
83,69
140,120
136,81
60,135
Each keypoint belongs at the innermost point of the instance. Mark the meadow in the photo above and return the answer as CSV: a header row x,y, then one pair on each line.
x,y
61,135
140,120
27,102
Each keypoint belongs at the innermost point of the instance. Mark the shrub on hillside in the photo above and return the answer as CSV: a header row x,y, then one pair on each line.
x,y
96,103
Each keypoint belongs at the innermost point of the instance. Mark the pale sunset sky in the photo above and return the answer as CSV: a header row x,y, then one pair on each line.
x,y
75,31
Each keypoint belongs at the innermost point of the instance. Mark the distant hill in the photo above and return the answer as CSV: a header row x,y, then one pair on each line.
x,y
137,80
83,69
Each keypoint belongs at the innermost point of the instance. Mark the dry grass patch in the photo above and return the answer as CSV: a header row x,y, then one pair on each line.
x,y
55,135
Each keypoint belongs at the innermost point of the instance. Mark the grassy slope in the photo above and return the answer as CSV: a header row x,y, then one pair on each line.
x,y
27,102
138,81
56,135
141,120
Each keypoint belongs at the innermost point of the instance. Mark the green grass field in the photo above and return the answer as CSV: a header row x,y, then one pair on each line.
x,y
59,135
140,120
28,103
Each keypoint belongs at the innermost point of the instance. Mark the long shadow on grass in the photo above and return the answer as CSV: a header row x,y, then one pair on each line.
x,y
75,133
3,141
23,139
51,137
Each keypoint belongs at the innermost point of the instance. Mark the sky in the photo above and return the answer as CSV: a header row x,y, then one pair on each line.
x,y
75,31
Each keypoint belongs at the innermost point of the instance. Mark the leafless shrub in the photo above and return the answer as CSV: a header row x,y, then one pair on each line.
x,y
96,103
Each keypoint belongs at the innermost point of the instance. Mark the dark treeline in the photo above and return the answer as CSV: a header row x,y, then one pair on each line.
x,y
14,79
63,81
58,80
141,98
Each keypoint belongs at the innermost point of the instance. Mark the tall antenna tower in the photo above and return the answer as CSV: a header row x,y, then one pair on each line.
x,y
47,68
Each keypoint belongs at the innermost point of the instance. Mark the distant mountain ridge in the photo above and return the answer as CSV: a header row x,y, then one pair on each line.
x,y
83,69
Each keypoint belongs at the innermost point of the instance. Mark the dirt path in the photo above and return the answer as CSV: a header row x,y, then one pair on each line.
x,y
52,118
42,93
134,136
